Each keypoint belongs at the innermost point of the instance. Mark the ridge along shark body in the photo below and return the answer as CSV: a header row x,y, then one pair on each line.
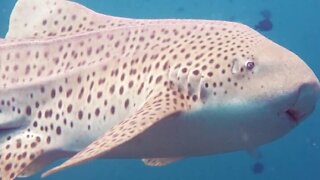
x,y
74,81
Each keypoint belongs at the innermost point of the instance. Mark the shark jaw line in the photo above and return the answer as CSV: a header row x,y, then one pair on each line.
x,y
294,115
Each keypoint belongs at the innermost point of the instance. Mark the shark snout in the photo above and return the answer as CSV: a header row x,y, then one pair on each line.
x,y
313,86
308,95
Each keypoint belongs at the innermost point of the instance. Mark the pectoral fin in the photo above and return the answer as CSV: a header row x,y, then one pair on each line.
x,y
157,107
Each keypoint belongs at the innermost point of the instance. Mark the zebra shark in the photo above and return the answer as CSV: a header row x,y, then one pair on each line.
x,y
82,84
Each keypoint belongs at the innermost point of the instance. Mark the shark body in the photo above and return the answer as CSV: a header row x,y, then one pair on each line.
x,y
77,82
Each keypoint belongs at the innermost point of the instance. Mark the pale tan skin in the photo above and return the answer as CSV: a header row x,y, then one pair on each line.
x,y
161,90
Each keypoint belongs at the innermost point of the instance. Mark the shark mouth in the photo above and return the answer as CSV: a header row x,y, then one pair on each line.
x,y
304,104
294,115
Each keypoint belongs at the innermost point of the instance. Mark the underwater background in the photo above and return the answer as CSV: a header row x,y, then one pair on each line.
x,y
295,24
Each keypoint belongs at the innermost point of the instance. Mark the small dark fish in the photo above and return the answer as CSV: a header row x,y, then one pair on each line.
x,y
264,25
257,168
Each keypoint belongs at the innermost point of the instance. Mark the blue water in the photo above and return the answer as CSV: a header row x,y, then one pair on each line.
x,y
296,25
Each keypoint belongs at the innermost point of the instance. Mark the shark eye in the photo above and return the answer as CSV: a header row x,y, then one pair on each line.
x,y
250,65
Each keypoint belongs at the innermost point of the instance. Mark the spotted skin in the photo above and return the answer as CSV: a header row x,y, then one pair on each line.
x,y
76,81
160,105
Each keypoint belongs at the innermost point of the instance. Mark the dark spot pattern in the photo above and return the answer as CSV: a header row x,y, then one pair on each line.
x,y
82,82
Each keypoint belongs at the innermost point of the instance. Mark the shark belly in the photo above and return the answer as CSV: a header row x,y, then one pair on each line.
x,y
206,131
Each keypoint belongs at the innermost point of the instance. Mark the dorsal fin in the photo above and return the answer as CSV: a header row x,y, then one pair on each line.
x,y
47,18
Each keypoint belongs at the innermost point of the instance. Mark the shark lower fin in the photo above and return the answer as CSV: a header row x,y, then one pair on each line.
x,y
159,161
18,153
39,163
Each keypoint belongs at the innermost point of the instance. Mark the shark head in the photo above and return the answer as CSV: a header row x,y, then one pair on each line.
x,y
261,85
284,79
